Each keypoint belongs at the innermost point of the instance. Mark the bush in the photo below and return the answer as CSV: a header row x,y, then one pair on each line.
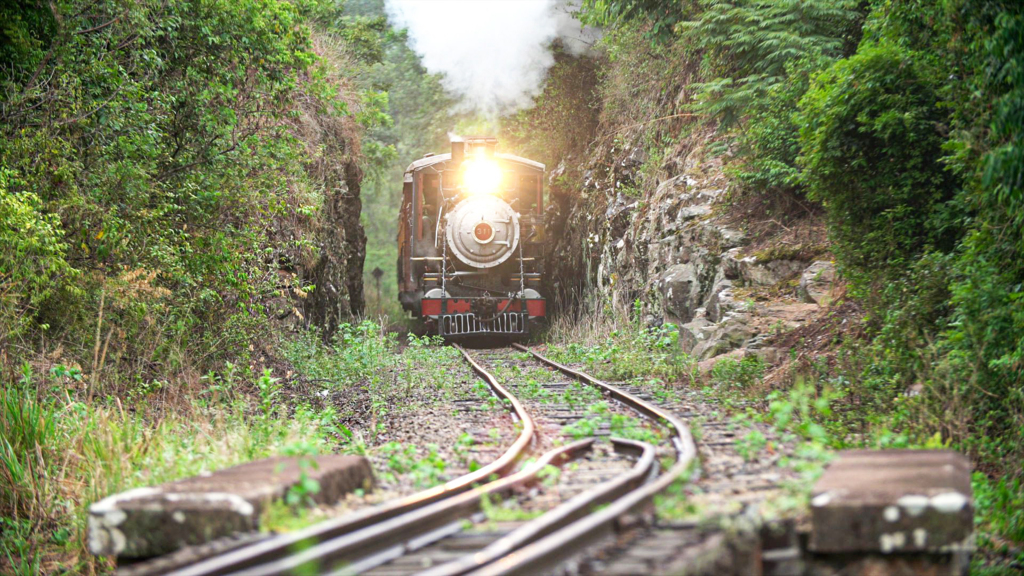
x,y
160,161
871,148
34,250
748,46
58,455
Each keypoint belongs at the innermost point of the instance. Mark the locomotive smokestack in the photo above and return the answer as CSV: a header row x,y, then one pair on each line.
x,y
458,151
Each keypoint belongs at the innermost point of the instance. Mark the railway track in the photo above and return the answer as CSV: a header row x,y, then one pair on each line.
x,y
553,494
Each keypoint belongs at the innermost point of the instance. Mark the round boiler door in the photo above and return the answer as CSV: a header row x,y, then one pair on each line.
x,y
483,232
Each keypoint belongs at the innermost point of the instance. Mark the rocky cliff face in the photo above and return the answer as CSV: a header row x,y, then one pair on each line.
x,y
338,271
688,253
326,249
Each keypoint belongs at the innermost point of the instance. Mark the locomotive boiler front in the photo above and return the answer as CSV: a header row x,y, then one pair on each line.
x,y
482,231
471,241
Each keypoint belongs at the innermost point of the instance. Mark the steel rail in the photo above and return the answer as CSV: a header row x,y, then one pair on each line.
x,y
550,551
283,545
562,515
338,554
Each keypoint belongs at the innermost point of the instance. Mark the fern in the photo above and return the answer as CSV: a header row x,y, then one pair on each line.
x,y
748,44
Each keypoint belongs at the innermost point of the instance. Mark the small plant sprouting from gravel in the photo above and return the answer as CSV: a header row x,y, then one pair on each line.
x,y
497,509
423,467
619,425
750,445
462,448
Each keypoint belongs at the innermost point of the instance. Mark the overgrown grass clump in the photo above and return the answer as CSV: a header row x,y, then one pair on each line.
x,y
615,344
366,357
59,454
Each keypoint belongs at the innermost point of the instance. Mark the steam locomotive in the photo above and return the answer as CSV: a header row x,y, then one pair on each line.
x,y
470,241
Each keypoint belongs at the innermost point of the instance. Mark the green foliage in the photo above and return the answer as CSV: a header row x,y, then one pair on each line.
x,y
366,356
269,388
425,471
750,445
58,456
1000,504
769,140
904,120
922,186
801,411
144,148
619,425
871,149
632,353
983,342
358,350
562,118
497,509
34,262
660,17
749,47
743,373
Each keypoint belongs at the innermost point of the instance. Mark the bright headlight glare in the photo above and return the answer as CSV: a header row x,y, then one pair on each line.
x,y
481,177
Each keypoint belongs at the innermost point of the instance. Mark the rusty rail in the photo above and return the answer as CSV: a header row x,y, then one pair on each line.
x,y
550,551
285,544
344,552
562,515
374,536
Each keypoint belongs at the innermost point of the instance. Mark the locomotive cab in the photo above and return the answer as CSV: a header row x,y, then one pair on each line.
x,y
471,241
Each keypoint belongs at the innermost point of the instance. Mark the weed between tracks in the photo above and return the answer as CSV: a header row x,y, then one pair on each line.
x,y
619,425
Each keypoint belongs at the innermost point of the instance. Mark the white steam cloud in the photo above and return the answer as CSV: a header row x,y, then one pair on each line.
x,y
494,53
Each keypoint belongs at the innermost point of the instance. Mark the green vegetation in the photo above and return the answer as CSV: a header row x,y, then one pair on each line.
x,y
176,177
619,425
181,184
901,123
497,509
615,345
59,454
365,357
731,373
146,149
425,470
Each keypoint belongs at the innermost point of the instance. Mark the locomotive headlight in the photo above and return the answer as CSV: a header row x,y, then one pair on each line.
x,y
481,176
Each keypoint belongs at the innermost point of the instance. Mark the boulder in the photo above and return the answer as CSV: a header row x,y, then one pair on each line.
x,y
694,332
753,272
680,291
721,302
816,283
731,333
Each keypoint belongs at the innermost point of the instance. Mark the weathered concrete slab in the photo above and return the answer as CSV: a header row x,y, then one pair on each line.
x,y
893,501
148,522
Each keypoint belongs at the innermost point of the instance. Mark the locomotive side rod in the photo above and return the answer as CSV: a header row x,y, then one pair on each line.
x,y
284,544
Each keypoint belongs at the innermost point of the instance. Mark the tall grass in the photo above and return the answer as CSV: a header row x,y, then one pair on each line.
x,y
368,357
616,343
58,455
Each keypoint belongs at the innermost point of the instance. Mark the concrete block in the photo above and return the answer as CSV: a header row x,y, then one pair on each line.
x,y
893,501
148,522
